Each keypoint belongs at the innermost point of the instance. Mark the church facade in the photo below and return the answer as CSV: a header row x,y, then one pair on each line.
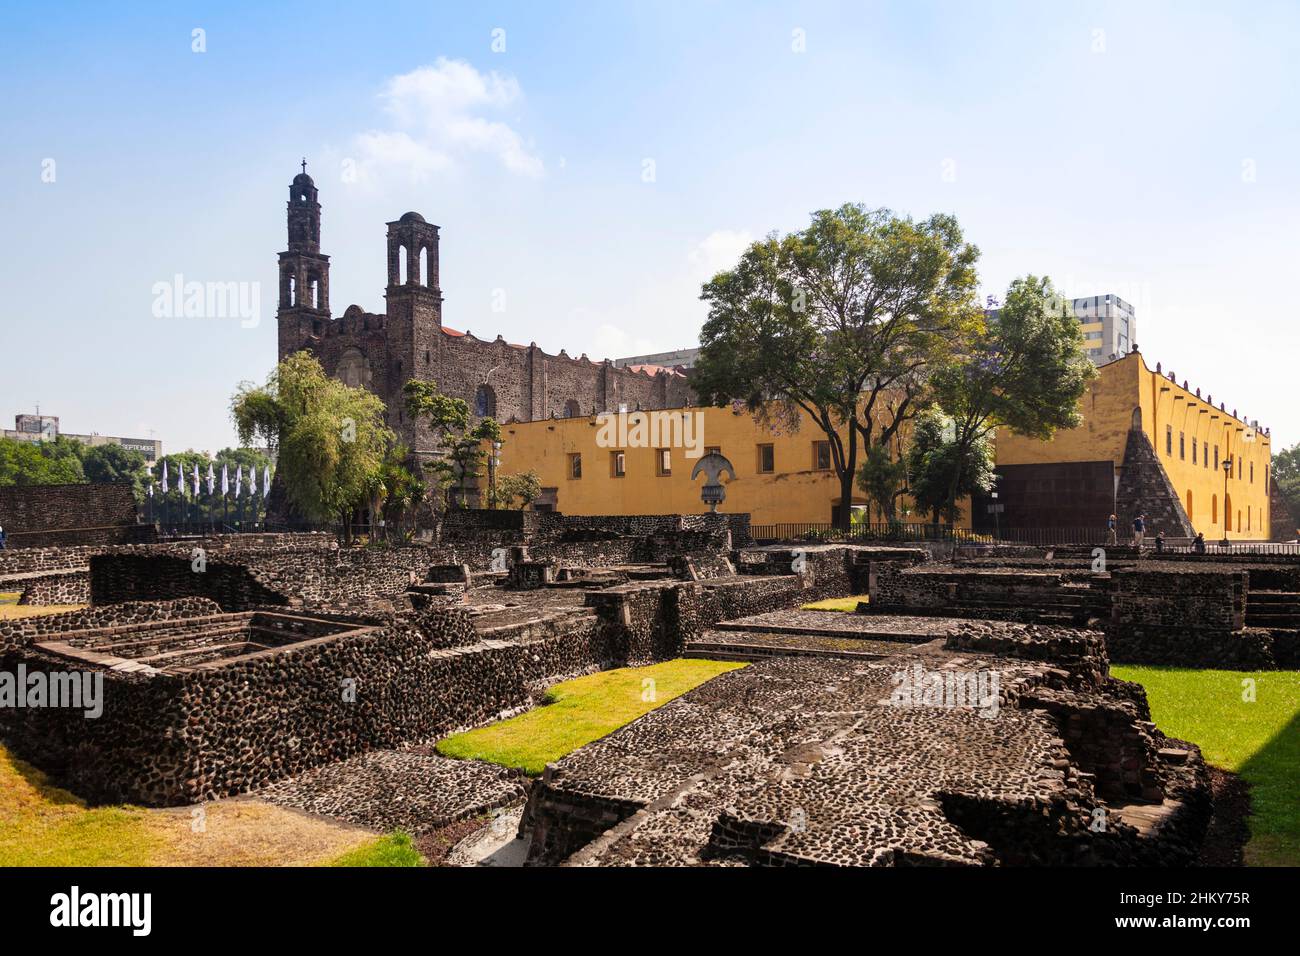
x,y
382,351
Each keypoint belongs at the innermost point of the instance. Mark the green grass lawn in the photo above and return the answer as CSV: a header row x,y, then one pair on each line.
x,y
1259,740
395,849
580,711
849,604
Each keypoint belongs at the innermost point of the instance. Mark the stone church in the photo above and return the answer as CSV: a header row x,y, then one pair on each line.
x,y
407,340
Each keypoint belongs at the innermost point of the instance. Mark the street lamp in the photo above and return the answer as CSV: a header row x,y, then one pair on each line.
x,y
1227,470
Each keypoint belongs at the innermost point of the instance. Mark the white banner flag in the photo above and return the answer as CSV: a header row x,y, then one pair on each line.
x,y
225,479
239,480
266,480
164,476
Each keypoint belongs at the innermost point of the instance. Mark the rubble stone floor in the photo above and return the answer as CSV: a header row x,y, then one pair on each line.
x,y
797,760
415,790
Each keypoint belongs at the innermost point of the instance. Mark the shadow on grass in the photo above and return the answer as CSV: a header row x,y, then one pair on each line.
x,y
1273,772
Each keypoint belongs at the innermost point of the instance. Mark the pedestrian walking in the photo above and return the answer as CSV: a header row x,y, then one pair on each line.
x,y
1112,530
1139,530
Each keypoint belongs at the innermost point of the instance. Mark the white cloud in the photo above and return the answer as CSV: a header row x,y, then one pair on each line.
x,y
717,251
438,121
610,341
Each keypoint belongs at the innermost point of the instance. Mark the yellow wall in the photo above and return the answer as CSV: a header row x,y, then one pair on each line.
x,y
1107,408
793,492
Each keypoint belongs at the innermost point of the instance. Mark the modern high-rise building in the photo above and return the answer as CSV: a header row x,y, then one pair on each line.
x,y
1109,326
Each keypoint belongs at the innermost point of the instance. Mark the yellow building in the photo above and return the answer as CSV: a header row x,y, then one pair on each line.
x,y
640,463
1084,473
1169,467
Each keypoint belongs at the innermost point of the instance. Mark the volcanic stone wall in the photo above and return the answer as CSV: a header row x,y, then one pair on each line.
x,y
1191,616
38,516
19,632
167,738
69,587
171,737
957,590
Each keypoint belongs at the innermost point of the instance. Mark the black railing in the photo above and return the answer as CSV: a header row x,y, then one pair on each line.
x,y
1245,547
885,532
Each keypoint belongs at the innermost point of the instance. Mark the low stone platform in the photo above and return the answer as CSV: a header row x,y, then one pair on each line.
x,y
883,627
414,790
738,645
800,761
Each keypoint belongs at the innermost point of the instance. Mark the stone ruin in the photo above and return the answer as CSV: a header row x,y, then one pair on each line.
x,y
1238,611
320,677
286,653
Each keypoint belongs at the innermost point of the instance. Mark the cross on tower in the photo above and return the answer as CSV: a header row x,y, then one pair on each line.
x,y
304,164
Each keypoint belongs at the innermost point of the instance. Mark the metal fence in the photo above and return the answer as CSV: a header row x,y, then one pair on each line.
x,y
925,531
1257,547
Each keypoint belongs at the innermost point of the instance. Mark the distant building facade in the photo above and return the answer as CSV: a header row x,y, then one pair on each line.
x,y
678,358
1108,324
382,351
38,428
1148,443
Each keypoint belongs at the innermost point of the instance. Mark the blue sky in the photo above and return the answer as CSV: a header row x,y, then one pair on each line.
x,y
1146,149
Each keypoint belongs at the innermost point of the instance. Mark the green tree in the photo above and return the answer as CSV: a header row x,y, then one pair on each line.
x,y
56,462
936,462
842,320
105,463
882,479
1023,369
459,439
1286,475
400,491
523,488
330,440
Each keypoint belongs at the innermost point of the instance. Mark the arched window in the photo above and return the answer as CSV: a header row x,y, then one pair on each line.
x,y
572,409
485,402
314,293
402,266
424,266
293,291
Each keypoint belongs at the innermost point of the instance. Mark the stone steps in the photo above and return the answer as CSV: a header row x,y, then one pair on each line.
x,y
863,634
1280,609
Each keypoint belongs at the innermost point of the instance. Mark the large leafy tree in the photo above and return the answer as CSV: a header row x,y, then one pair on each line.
x,y
330,440
1286,474
104,463
56,462
518,491
398,489
459,439
936,461
842,320
883,477
1024,369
